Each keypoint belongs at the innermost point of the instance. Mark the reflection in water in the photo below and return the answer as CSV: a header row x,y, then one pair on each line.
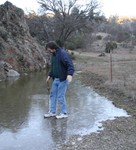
x,y
58,130
24,101
13,106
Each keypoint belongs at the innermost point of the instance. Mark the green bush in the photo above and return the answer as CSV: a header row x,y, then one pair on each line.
x,y
99,37
75,42
70,45
110,46
72,55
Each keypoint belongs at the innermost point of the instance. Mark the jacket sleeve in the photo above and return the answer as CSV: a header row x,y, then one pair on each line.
x,y
67,61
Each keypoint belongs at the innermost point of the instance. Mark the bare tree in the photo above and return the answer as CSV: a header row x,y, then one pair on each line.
x,y
63,18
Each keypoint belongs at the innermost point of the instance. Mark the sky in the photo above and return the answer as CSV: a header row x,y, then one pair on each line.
x,y
119,7
109,7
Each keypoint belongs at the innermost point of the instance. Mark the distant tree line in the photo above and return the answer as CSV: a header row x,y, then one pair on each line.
x,y
64,20
121,31
72,24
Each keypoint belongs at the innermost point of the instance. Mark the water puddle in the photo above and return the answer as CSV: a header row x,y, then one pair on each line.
x,y
24,102
89,110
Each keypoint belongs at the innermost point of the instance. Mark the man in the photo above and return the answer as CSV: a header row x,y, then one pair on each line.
x,y
62,70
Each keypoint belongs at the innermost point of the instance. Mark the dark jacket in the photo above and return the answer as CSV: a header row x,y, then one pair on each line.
x,y
65,64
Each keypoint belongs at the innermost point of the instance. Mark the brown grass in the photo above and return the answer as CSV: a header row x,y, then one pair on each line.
x,y
123,69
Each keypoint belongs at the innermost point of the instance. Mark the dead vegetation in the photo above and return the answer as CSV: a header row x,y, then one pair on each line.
x,y
96,72
119,133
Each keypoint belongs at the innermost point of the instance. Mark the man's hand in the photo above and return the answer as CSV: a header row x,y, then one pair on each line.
x,y
69,78
48,83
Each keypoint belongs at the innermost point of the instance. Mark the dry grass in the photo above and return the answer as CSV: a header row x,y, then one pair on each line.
x,y
119,133
123,69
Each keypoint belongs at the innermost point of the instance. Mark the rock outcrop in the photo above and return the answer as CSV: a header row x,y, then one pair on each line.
x,y
17,47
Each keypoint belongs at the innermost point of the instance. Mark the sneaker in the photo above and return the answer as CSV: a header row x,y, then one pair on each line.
x,y
61,116
50,114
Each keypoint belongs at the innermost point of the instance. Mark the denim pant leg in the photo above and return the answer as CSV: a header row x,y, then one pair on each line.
x,y
53,96
61,96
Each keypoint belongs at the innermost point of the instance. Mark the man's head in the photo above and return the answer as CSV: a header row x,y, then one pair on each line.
x,y
52,46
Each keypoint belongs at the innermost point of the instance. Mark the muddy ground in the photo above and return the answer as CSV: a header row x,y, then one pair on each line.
x,y
118,134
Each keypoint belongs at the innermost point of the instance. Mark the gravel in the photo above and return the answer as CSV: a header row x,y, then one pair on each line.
x,y
118,134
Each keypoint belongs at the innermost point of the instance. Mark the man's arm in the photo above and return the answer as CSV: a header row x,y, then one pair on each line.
x,y
70,67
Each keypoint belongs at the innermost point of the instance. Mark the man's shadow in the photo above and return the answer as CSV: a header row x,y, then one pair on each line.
x,y
59,130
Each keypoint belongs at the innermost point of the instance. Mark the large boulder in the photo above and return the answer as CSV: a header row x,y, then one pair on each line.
x,y
12,73
17,46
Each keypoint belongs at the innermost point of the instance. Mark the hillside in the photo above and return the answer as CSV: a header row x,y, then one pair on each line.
x,y
18,50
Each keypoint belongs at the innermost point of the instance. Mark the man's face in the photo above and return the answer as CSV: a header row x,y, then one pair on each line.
x,y
51,50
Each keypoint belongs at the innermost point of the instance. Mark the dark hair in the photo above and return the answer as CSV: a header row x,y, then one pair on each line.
x,y
52,45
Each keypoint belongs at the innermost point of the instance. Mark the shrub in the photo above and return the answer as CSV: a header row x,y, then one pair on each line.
x,y
99,37
110,46
75,42
72,55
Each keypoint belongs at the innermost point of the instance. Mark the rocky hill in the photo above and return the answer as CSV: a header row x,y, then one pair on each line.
x,y
18,50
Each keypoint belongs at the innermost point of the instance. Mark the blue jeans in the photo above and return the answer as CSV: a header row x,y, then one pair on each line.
x,y
58,91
